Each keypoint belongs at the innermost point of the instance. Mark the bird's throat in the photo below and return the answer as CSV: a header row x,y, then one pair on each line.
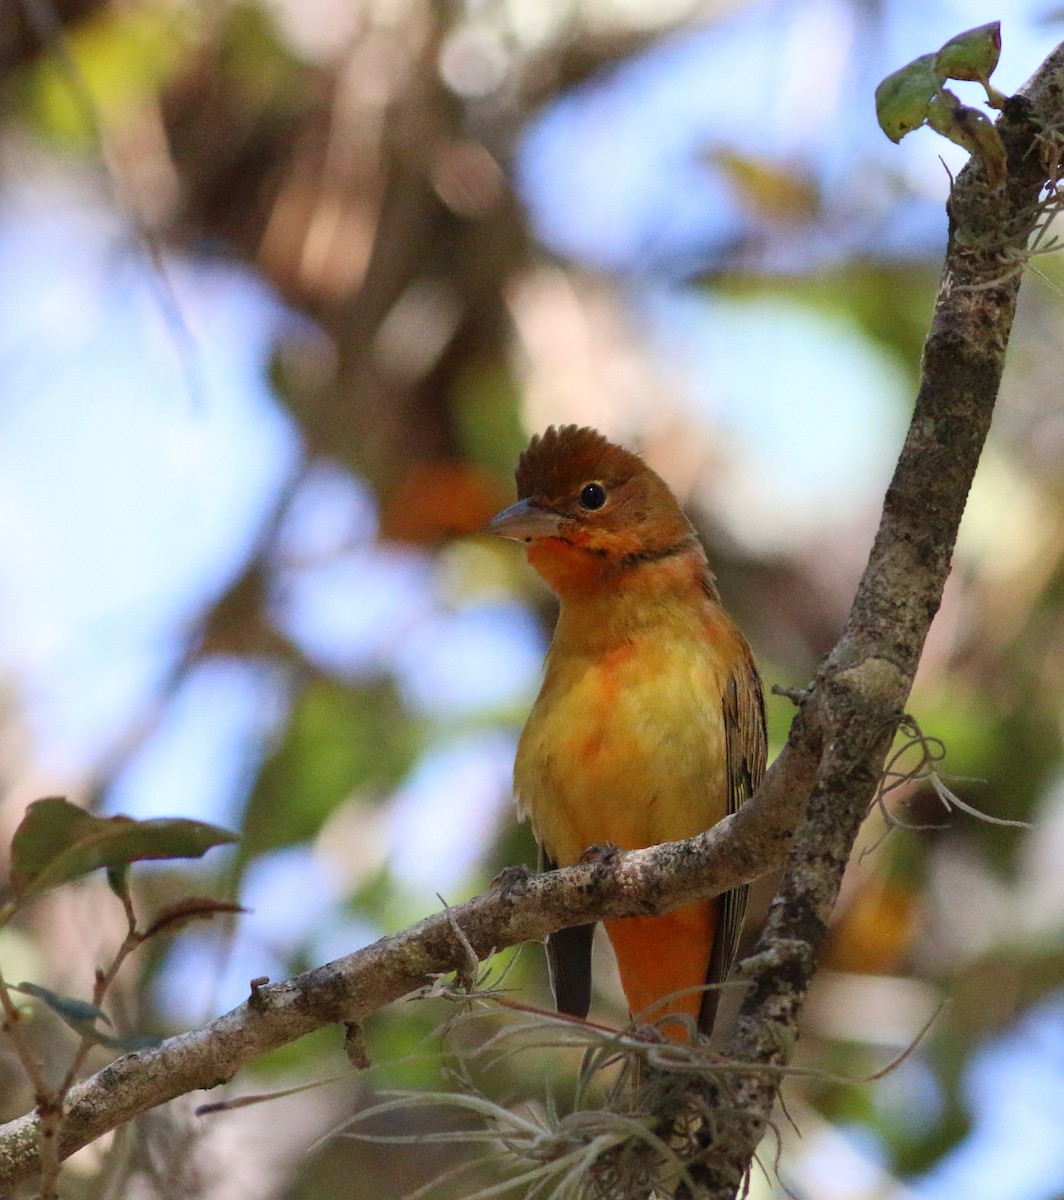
x,y
568,569
604,603
579,572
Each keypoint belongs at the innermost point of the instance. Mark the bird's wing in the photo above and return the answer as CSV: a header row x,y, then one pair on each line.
x,y
746,747
569,959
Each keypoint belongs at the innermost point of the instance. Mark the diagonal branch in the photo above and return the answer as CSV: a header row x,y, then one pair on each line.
x,y
851,711
351,988
861,690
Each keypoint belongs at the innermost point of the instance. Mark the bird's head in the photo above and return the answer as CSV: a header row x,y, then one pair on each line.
x,y
588,508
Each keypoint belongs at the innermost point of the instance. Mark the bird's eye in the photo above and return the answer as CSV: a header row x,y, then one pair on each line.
x,y
592,495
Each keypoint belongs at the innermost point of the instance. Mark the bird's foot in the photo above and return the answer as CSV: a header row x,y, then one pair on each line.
x,y
511,879
604,854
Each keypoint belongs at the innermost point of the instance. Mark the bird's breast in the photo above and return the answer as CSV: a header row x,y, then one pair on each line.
x,y
625,745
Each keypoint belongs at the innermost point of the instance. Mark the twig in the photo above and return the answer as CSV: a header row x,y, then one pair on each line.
x,y
861,690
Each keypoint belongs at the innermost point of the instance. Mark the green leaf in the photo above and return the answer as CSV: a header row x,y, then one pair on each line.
x,y
118,881
82,1016
75,1012
341,740
182,912
904,97
121,55
127,1044
57,841
972,55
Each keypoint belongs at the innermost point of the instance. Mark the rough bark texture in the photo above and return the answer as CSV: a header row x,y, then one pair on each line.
x,y
349,989
861,689
836,746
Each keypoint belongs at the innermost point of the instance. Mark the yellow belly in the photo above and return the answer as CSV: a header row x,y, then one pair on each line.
x,y
624,747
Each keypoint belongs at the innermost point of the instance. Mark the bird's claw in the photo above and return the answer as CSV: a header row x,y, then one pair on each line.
x,y
511,879
603,854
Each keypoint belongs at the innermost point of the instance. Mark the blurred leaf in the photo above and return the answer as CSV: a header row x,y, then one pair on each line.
x,y
120,56
375,896
486,403
773,189
317,1051
118,881
82,1017
939,1138
960,718
72,1010
889,302
840,1101
57,841
1025,749
125,1045
183,912
1009,760
903,98
339,740
253,54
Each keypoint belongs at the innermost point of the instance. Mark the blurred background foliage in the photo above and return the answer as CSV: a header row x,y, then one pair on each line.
x,y
285,285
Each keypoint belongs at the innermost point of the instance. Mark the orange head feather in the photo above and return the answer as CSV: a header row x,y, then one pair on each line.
x,y
590,508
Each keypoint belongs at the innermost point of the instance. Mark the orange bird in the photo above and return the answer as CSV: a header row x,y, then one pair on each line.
x,y
650,725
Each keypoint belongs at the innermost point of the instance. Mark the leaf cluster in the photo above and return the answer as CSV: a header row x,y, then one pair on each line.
x,y
916,95
55,843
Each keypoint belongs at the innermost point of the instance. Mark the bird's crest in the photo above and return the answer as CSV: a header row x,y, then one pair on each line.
x,y
563,457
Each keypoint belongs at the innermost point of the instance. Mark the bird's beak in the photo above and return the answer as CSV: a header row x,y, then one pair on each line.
x,y
524,521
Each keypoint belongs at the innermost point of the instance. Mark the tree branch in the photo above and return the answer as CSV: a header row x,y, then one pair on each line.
x,y
861,689
349,989
852,711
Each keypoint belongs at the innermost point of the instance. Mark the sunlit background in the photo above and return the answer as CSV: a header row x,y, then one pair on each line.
x,y
285,285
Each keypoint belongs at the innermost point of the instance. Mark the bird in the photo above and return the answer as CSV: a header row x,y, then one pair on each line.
x,y
650,722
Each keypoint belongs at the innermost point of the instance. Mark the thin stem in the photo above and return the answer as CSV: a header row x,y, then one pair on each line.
x,y
48,1104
